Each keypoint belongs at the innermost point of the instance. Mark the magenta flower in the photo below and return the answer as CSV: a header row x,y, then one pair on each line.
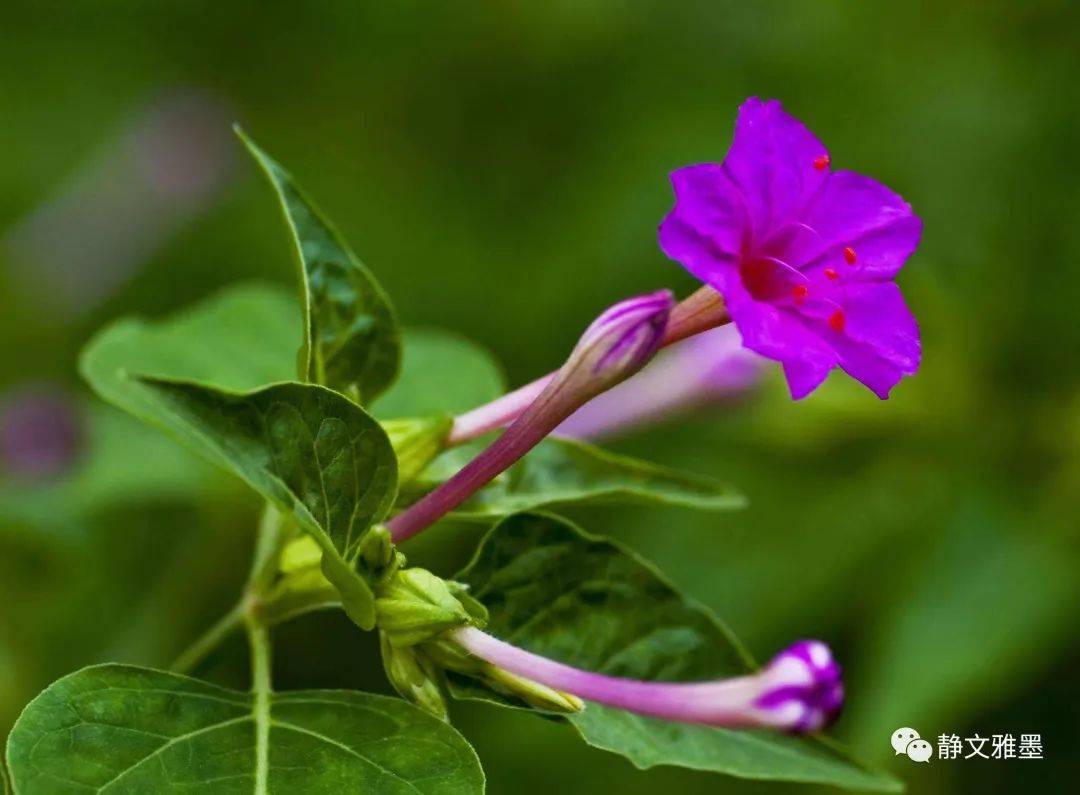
x,y
800,690
804,256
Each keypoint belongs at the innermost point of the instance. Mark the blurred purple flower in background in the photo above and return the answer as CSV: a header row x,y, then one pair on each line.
x,y
711,367
804,256
41,433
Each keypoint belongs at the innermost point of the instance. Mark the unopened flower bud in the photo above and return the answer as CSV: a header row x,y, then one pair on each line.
x,y
414,605
378,557
802,688
413,676
711,368
616,345
700,312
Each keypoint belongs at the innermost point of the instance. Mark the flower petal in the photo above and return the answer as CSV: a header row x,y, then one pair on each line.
x,y
856,212
880,343
780,335
704,231
772,162
694,248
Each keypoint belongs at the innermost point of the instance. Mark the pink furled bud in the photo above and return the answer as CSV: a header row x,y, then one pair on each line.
x,y
617,344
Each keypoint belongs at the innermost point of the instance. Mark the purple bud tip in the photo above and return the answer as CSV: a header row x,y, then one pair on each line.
x,y
625,336
803,689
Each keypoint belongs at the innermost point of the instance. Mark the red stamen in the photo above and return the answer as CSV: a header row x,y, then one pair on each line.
x,y
830,273
849,255
837,320
799,293
821,162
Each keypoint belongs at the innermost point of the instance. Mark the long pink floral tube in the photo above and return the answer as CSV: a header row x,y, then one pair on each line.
x,y
800,690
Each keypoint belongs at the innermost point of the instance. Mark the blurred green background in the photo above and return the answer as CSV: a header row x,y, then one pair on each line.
x,y
502,168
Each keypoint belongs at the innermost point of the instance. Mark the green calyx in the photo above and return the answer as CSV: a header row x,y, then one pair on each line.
x,y
414,676
534,694
449,656
413,606
414,610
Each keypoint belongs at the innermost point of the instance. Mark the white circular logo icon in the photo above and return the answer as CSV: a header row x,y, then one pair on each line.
x,y
908,742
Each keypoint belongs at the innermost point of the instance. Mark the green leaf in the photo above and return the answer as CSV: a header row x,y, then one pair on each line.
x,y
351,337
585,601
239,339
312,452
563,471
442,373
120,729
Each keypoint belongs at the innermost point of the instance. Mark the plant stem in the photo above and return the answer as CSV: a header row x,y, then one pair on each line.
x,y
259,642
268,542
522,435
263,566
210,639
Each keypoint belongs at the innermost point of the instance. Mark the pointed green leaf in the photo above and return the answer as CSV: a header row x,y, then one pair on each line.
x,y
351,338
312,452
120,729
585,601
566,471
